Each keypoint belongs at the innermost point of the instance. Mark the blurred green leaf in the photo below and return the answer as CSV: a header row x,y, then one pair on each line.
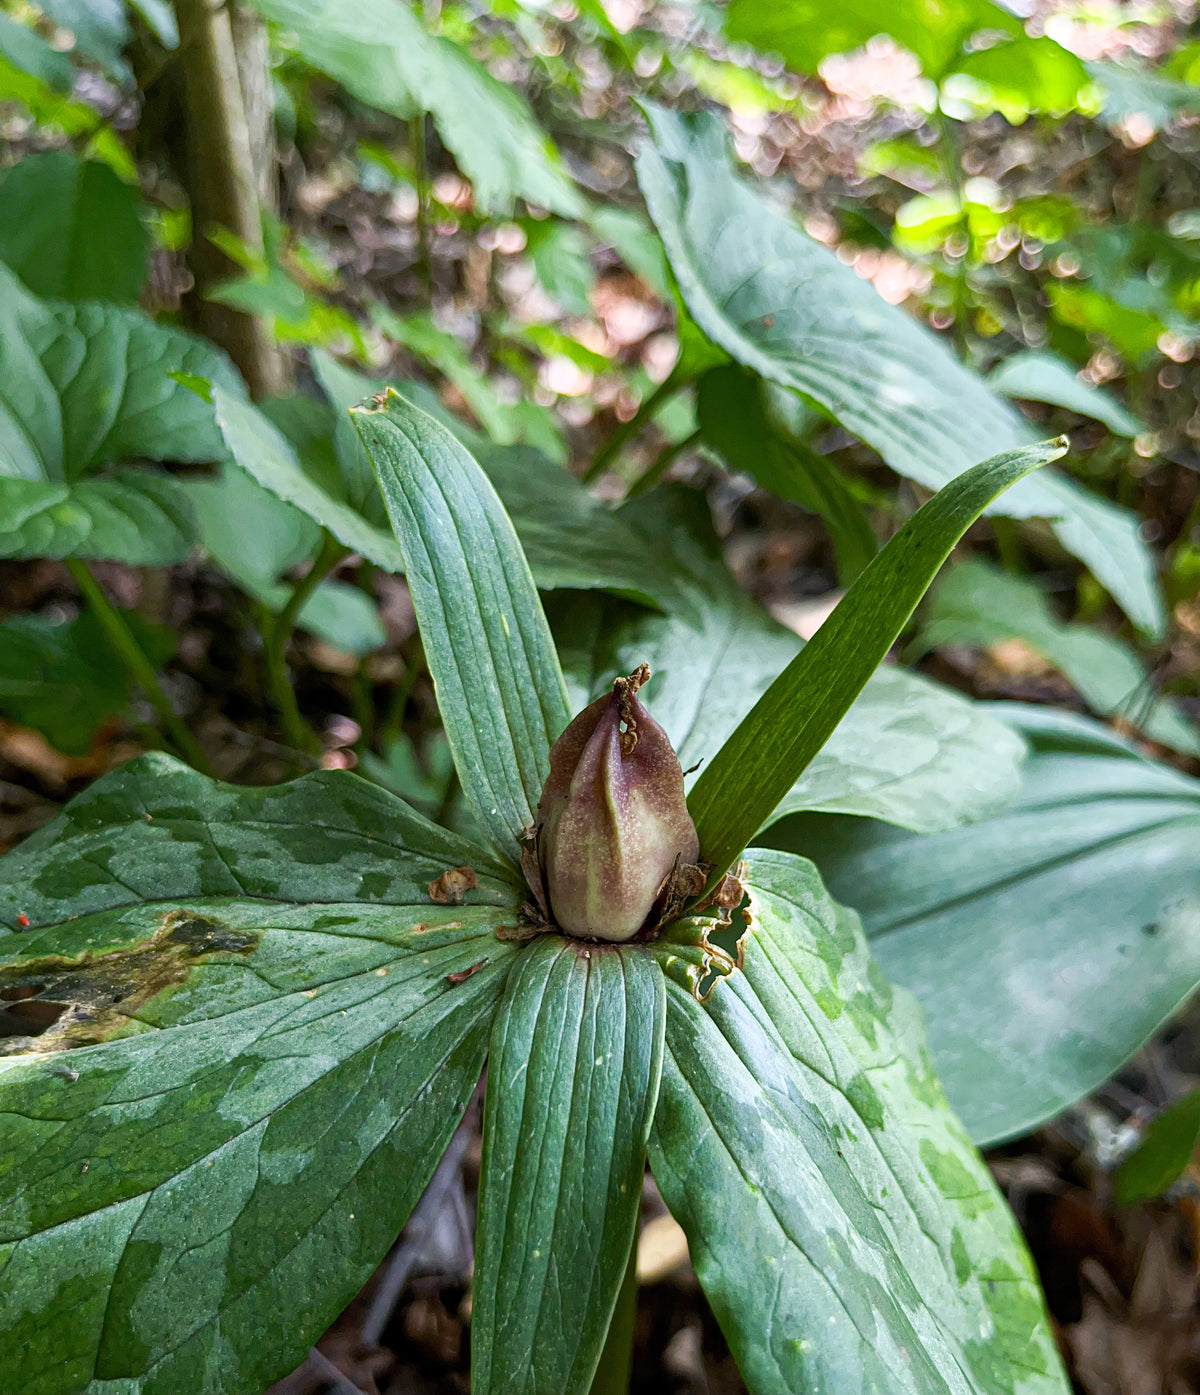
x,y
1162,1154
1133,333
734,409
1027,74
140,517
71,229
1047,943
1044,377
784,306
559,252
1139,92
61,678
380,51
977,605
25,49
100,27
803,32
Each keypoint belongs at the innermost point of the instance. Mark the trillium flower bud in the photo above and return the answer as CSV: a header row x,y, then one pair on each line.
x,y
615,844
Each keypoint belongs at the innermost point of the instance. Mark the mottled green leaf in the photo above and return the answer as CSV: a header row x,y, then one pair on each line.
x,y
269,1033
1047,944
381,52
754,770
845,1231
72,229
783,306
573,1074
487,644
908,751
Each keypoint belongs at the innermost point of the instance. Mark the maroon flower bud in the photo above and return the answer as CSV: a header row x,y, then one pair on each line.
x,y
614,838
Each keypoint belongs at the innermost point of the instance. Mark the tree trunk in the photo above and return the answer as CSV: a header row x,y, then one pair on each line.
x,y
230,170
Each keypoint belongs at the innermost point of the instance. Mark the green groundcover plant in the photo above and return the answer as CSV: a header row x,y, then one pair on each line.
x,y
256,1016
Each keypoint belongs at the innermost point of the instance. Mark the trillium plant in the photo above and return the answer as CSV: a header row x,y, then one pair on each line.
x,y
257,1016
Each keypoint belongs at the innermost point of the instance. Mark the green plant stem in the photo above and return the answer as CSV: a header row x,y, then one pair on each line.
x,y
125,645
276,635
627,430
661,464
364,689
950,157
616,1360
416,135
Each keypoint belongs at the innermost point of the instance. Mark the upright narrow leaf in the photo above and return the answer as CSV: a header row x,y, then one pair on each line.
x,y
572,1081
908,751
251,1075
798,713
783,306
845,1231
500,688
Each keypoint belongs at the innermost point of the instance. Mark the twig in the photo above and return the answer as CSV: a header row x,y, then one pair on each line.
x,y
411,1251
125,645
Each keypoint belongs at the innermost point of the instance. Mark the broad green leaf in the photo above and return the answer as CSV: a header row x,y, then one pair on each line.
x,y
26,50
100,28
804,32
1047,944
754,770
85,385
262,450
255,539
138,517
1025,75
573,1075
908,751
1162,1154
61,678
1044,377
559,252
977,605
72,229
784,306
160,19
270,1034
845,1231
569,537
740,418
487,644
380,51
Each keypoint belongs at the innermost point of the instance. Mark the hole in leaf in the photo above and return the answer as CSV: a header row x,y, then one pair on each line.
x,y
29,1015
